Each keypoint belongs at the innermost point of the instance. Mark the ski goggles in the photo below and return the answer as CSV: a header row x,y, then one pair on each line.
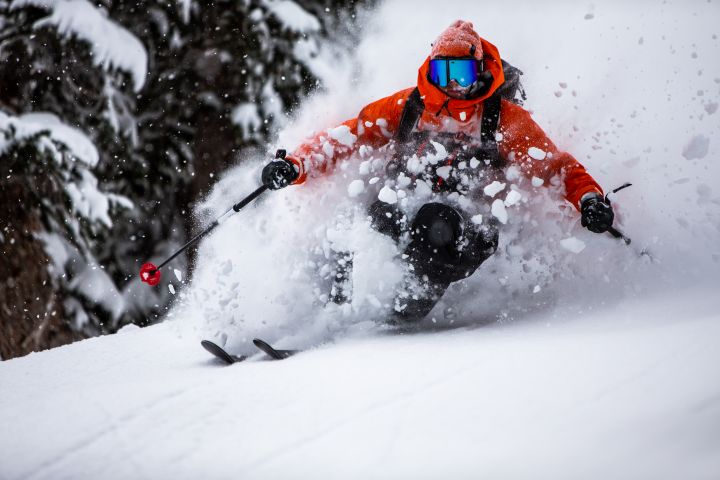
x,y
463,70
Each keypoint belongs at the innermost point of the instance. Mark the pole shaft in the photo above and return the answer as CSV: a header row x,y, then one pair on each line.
x,y
237,207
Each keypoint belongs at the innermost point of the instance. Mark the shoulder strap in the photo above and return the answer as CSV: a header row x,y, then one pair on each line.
x,y
411,113
490,118
489,125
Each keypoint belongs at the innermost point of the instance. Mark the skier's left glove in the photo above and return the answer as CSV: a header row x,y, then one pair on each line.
x,y
597,213
279,173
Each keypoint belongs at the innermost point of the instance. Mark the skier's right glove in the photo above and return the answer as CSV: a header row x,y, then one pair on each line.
x,y
279,173
597,213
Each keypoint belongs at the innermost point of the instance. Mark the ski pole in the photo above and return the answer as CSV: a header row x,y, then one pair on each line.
x,y
150,274
618,234
612,230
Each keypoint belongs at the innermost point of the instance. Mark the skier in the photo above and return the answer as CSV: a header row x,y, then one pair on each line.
x,y
463,101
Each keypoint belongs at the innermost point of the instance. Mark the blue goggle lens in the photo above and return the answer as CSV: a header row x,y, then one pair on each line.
x,y
464,71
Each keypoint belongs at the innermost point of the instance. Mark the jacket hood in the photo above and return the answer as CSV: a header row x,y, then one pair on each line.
x,y
435,99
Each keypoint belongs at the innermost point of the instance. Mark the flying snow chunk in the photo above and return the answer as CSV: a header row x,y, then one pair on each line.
x,y
364,168
536,289
499,212
512,173
494,188
387,195
355,188
696,148
440,153
444,172
422,189
536,153
343,135
328,150
512,198
537,182
178,274
476,219
171,288
572,244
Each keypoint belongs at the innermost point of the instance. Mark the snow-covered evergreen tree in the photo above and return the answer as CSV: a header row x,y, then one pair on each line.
x,y
168,94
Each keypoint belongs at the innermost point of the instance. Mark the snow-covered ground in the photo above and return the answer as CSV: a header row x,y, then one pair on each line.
x,y
630,392
552,361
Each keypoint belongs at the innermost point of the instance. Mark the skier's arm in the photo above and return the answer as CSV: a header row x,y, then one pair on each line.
x,y
520,134
374,127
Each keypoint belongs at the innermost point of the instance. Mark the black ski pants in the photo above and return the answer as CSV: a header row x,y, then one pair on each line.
x,y
444,247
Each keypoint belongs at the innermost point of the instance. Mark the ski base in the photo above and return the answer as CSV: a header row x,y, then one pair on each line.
x,y
218,352
273,353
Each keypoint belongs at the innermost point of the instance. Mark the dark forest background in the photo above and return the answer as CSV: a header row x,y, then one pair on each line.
x,y
219,79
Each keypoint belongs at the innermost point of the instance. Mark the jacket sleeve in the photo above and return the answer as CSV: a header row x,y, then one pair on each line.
x,y
523,143
374,127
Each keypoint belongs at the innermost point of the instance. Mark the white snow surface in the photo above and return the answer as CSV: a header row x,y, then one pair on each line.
x,y
630,392
544,363
112,45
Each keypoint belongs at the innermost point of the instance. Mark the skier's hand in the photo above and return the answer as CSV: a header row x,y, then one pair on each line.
x,y
597,214
279,173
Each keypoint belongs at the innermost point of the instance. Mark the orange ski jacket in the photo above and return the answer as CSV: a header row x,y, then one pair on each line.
x,y
521,142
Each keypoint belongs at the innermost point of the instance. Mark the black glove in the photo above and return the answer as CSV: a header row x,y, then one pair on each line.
x,y
597,214
279,173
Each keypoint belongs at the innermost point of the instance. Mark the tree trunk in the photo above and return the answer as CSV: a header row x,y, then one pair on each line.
x,y
31,312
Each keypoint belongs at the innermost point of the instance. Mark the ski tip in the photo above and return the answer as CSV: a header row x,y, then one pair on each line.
x,y
272,352
220,353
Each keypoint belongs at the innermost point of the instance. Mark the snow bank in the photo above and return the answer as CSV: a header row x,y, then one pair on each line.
x,y
112,45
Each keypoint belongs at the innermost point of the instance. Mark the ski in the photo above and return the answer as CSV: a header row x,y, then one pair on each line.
x,y
272,352
220,353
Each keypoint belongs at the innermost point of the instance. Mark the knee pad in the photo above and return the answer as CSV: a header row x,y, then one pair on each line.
x,y
437,226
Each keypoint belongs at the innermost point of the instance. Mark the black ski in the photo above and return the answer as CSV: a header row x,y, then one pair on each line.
x,y
272,352
220,353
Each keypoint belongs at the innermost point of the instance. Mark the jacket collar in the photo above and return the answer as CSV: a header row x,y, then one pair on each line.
x,y
436,101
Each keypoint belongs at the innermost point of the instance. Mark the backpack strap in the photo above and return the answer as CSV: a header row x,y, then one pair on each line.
x,y
411,113
414,108
489,125
490,119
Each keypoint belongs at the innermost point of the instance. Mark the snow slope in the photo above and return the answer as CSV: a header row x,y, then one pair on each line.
x,y
549,362
628,392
